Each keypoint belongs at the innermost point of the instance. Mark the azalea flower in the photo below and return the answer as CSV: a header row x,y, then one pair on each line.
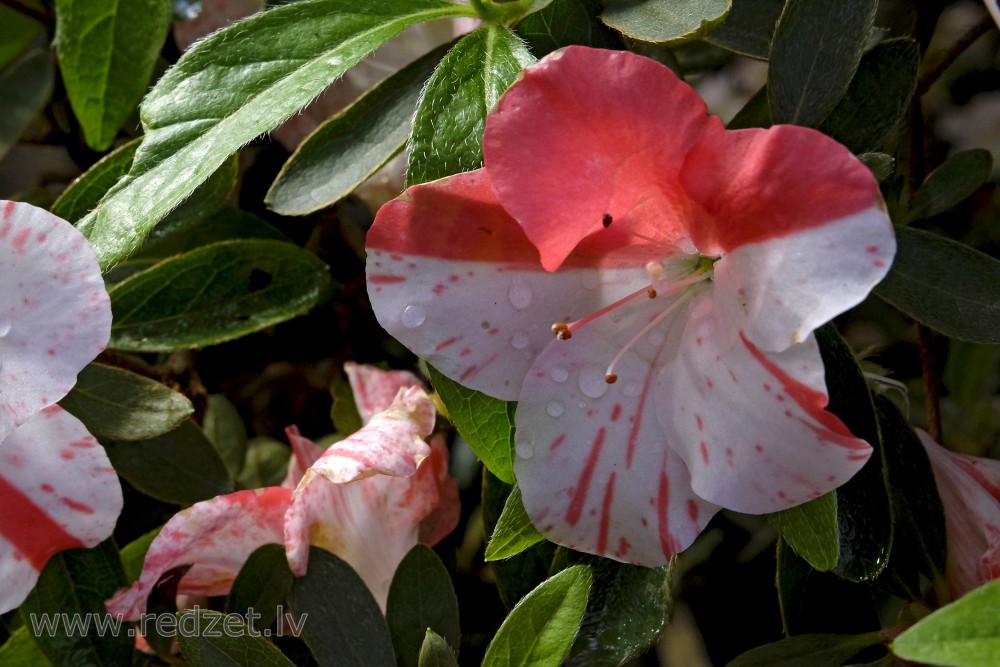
x,y
57,488
645,285
969,487
368,498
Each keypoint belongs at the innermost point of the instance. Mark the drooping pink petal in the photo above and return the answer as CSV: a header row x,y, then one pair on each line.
x,y
970,493
216,536
572,142
594,466
55,315
57,490
305,452
375,389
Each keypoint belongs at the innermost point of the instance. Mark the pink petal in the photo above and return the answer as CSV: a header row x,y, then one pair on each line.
x,y
216,536
55,315
215,15
58,491
594,465
970,493
375,389
587,132
305,452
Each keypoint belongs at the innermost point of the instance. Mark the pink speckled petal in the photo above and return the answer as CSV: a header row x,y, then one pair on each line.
x,y
55,315
215,536
57,490
305,452
375,389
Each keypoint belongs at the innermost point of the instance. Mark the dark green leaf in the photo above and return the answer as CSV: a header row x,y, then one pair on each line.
x,y
344,411
953,181
755,113
749,27
224,427
17,31
180,467
341,622
945,285
513,532
878,97
177,236
435,652
215,293
205,200
421,598
486,423
814,650
972,373
665,21
82,195
811,529
965,633
115,404
213,639
73,585
880,164
25,88
540,630
133,555
266,463
345,150
232,87
448,125
566,22
20,650
261,587
815,51
107,49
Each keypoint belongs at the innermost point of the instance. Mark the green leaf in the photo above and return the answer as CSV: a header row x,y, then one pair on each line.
x,y
107,50
214,294
73,586
540,630
815,650
486,423
945,285
115,404
345,150
665,21
213,639
180,467
266,463
17,32
224,427
435,652
748,28
344,411
566,22
815,51
20,649
232,87
421,598
178,235
82,195
953,181
755,113
513,532
878,97
451,116
262,586
341,622
133,555
880,164
811,529
965,633
972,373
25,88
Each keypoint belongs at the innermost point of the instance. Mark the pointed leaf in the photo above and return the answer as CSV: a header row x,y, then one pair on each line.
x,y
224,427
17,31
953,181
21,650
213,639
261,587
514,532
748,28
435,652
811,529
25,87
665,21
815,650
421,598
880,164
133,554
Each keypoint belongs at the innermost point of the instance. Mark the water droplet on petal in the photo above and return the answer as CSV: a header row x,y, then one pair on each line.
x,y
581,405
413,316
524,450
706,327
592,382
555,408
519,341
519,293
632,389
4,327
559,374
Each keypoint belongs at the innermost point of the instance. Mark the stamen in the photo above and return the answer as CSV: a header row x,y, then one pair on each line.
x,y
611,378
561,330
609,373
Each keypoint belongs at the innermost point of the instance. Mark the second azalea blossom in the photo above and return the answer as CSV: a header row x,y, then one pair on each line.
x,y
645,284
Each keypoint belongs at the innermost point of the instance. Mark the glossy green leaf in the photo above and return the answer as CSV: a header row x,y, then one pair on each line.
x,y
224,427
421,597
25,88
811,529
341,622
73,586
748,28
133,555
20,649
965,633
540,630
945,285
115,404
435,652
205,200
486,423
566,22
449,122
232,87
953,181
513,532
261,586
107,49
180,467
878,97
880,164
214,294
827,650
17,31
815,51
82,195
212,639
266,463
665,21
345,150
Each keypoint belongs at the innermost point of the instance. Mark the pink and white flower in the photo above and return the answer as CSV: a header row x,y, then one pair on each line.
x,y
368,498
57,488
606,183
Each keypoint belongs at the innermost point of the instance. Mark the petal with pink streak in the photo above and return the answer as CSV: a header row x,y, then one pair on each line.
x,y
55,315
214,536
375,389
595,469
305,452
58,491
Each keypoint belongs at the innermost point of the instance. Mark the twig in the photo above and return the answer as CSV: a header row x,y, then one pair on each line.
x,y
928,77
40,14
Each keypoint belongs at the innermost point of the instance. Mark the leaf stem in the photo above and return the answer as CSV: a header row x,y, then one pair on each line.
x,y
934,72
40,14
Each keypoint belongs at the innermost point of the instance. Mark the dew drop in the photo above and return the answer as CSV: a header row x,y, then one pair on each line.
x,y
706,327
519,293
519,341
524,450
554,408
559,374
581,405
4,327
413,316
631,389
592,382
